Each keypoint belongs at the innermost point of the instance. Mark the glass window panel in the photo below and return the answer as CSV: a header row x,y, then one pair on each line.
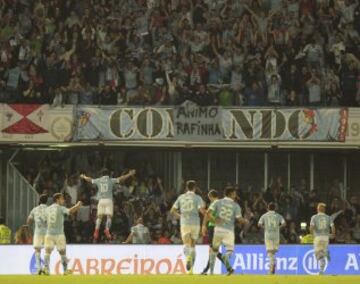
x,y
278,168
251,170
194,166
300,170
328,174
223,169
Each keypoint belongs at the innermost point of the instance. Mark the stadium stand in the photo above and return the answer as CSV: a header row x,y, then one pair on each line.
x,y
157,52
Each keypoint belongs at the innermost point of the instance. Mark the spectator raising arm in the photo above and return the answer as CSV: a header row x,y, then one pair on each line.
x,y
126,176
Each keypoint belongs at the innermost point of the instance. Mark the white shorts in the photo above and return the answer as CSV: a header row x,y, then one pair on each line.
x,y
38,241
190,231
224,237
105,207
321,244
55,240
272,245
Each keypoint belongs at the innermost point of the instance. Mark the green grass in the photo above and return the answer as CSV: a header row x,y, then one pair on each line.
x,y
181,279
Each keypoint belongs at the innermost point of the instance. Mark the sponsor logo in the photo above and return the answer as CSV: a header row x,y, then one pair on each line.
x,y
310,263
127,265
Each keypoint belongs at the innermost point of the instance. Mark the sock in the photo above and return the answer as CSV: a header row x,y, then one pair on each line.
x,y
38,261
108,222
219,256
186,251
226,259
193,255
212,261
98,223
47,260
64,262
322,264
271,256
207,266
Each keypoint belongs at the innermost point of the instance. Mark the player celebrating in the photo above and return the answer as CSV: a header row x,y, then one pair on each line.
x,y
139,234
226,212
187,208
208,228
55,230
105,186
271,222
320,225
38,217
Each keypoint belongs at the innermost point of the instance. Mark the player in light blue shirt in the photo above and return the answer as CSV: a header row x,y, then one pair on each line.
x,y
55,230
272,222
38,217
187,208
320,225
226,212
105,185
139,234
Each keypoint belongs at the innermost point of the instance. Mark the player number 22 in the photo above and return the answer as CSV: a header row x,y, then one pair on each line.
x,y
225,213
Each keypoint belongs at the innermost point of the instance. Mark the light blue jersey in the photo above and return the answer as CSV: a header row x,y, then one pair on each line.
x,y
55,219
271,222
38,214
105,187
189,204
321,223
226,211
141,234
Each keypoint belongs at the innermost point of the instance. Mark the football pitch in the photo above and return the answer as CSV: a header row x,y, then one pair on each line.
x,y
179,279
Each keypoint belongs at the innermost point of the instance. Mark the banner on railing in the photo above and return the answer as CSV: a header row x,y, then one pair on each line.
x,y
169,259
194,123
121,123
211,124
42,123
35,123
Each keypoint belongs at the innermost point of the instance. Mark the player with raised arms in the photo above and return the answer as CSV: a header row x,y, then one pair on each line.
x,y
55,231
105,207
272,222
320,225
38,217
226,212
187,208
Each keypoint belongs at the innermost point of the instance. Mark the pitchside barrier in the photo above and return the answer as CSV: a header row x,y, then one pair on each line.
x,y
168,259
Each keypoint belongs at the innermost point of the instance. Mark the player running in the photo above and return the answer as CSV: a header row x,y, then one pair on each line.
x,y
187,208
38,217
105,207
320,225
272,222
208,228
55,231
226,212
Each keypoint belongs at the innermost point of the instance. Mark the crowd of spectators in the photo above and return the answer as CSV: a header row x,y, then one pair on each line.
x,y
145,196
163,52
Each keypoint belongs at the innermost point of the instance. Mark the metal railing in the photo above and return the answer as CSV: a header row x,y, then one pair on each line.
x,y
21,196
